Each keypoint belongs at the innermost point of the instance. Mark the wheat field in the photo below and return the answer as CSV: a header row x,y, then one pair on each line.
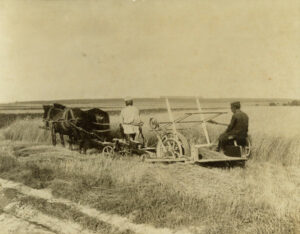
x,y
263,197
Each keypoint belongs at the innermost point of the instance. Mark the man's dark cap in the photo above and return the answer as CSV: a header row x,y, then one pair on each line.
x,y
236,104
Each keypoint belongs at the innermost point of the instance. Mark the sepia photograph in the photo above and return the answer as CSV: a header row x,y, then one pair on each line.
x,y
149,116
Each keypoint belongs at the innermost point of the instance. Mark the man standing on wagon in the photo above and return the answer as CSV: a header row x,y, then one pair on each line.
x,y
130,120
237,129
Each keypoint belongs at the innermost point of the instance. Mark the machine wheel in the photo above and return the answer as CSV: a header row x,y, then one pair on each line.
x,y
169,148
108,151
186,148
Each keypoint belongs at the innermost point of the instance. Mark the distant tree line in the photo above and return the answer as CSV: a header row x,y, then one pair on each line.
x,y
292,103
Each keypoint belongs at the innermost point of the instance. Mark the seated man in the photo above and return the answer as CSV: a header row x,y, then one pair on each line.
x,y
130,120
237,129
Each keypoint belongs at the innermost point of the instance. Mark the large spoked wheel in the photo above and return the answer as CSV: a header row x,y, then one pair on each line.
x,y
169,148
185,146
108,151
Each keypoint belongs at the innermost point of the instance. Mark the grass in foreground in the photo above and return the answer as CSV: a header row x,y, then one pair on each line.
x,y
262,198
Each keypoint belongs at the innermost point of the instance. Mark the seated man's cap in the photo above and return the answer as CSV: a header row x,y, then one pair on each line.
x,y
236,104
127,99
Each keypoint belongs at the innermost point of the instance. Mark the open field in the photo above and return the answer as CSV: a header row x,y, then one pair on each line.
x,y
263,197
145,104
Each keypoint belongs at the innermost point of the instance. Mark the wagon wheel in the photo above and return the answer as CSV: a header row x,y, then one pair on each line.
x,y
169,148
53,134
108,151
186,148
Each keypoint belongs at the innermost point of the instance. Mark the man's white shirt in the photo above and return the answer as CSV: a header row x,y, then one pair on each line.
x,y
130,118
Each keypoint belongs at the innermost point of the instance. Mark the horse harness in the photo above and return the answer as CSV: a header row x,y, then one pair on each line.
x,y
65,123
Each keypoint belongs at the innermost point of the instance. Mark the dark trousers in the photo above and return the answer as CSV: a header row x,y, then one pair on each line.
x,y
223,141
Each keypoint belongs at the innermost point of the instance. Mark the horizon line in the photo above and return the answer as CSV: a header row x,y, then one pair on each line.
x,y
153,97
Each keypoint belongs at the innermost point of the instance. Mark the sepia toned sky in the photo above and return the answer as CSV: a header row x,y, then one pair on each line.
x,y
54,49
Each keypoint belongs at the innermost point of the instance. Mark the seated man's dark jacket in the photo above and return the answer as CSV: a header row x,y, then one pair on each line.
x,y
238,126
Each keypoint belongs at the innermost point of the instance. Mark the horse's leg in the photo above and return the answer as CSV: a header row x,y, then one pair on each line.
x,y
85,145
53,135
79,142
71,142
81,146
62,140
74,138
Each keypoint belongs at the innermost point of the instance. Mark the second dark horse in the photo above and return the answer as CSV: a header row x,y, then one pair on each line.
x,y
95,125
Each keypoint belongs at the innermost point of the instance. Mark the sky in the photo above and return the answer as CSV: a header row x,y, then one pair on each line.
x,y
63,49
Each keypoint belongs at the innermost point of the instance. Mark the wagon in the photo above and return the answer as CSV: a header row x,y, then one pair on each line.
x,y
172,146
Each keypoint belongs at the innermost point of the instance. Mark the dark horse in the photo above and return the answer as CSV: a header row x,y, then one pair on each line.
x,y
96,126
56,118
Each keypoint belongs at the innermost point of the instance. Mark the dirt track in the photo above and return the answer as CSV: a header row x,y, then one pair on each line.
x,y
19,218
12,224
